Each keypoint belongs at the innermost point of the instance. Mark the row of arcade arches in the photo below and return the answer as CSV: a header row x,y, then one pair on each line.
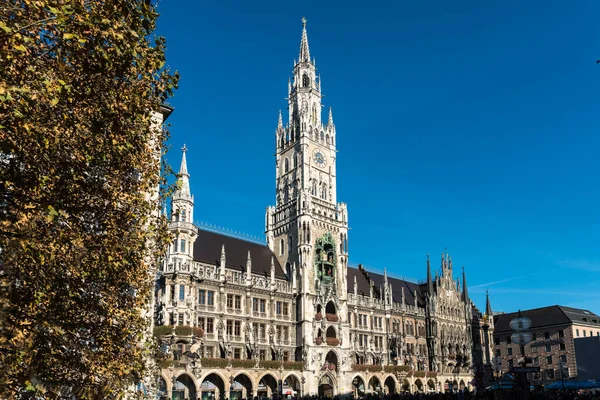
x,y
213,386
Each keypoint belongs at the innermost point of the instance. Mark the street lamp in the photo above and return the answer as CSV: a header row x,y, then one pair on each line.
x,y
561,367
497,366
522,337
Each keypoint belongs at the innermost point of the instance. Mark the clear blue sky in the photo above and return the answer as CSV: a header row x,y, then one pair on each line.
x,y
468,125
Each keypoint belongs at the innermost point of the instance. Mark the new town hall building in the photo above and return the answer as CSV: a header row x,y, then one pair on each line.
x,y
240,319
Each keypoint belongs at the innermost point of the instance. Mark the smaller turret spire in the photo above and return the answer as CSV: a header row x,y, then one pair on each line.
x,y
304,52
488,306
465,292
429,282
330,118
355,286
279,122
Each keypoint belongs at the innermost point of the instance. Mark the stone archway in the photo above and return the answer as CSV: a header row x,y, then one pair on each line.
x,y
326,386
267,385
390,385
419,385
431,385
406,386
462,385
212,387
358,384
163,388
184,388
291,386
242,387
375,384
455,385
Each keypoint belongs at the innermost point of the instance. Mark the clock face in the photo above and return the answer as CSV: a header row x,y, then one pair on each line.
x,y
319,158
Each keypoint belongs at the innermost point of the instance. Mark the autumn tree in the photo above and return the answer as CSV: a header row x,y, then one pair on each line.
x,y
81,83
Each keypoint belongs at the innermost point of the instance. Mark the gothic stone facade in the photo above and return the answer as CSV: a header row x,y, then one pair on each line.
x,y
241,319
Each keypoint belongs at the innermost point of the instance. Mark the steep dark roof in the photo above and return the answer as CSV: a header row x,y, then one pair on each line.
x,y
546,316
397,285
207,248
581,316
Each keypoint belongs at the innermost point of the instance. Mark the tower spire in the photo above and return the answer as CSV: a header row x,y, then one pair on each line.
x,y
304,52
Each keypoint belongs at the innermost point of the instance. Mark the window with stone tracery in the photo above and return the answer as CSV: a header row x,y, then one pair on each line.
x,y
305,80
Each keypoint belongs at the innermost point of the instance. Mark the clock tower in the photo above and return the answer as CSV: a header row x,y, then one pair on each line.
x,y
307,228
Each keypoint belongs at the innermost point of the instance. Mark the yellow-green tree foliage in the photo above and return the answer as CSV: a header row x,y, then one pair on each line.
x,y
79,81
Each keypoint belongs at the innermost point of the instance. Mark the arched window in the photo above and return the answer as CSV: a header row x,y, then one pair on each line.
x,y
305,80
290,242
295,160
314,187
327,139
324,192
182,245
183,216
176,215
288,270
287,165
281,247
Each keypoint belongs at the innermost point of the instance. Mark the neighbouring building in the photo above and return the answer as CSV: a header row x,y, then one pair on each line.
x,y
240,318
554,330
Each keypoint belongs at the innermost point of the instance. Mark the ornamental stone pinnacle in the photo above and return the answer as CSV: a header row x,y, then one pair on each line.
x,y
304,51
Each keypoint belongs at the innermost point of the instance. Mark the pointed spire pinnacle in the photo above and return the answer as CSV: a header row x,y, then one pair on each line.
x,y
222,264
294,281
465,291
330,118
183,168
279,121
248,269
304,52
429,282
183,178
355,286
385,278
488,307
272,269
